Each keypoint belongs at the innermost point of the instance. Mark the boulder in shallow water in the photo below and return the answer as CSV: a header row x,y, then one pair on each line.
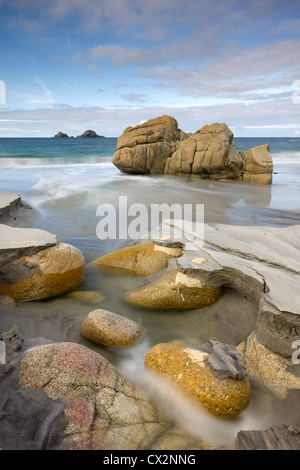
x,y
110,329
158,147
257,165
213,374
143,259
209,153
145,149
174,290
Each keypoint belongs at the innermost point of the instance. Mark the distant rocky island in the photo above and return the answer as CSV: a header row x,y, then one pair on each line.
x,y
88,133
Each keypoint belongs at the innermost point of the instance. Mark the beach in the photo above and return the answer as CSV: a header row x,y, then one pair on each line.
x,y
61,191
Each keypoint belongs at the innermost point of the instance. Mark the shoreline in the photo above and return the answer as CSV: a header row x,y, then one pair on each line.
x,y
52,319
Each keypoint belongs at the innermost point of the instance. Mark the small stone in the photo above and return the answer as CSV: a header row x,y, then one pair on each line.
x,y
110,329
7,301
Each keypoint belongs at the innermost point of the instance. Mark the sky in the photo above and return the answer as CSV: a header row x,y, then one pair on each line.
x,y
73,65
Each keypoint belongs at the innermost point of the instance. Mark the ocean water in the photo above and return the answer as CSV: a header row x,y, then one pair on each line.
x,y
66,180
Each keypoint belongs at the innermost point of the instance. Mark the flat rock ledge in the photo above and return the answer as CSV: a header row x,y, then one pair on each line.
x,y
158,147
275,438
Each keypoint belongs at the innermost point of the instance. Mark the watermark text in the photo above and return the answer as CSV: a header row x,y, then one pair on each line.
x,y
137,221
296,354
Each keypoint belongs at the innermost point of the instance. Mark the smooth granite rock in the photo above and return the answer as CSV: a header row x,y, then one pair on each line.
x,y
174,290
110,329
142,259
188,367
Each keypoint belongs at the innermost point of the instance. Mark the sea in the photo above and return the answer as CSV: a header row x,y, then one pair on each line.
x,y
65,181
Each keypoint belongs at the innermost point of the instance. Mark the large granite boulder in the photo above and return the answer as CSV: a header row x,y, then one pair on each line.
x,y
207,154
65,396
257,165
159,147
34,265
145,148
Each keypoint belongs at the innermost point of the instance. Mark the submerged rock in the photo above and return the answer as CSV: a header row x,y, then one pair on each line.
x,y
174,290
143,259
88,297
110,329
159,147
222,391
7,301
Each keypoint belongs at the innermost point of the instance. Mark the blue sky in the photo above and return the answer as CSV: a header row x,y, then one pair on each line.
x,y
74,65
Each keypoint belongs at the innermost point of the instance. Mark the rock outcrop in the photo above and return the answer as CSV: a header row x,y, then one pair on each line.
x,y
90,133
35,266
61,135
213,374
145,149
257,165
159,147
275,438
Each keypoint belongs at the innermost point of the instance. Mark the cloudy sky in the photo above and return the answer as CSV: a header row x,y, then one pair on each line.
x,y
72,65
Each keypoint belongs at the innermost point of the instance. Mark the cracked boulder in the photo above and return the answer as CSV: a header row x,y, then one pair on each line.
x,y
66,396
209,153
145,149
158,147
213,374
35,266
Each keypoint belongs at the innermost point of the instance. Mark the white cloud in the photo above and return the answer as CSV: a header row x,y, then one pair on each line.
x,y
45,98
